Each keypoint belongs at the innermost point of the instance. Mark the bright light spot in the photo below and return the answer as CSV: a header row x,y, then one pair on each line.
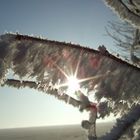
x,y
73,85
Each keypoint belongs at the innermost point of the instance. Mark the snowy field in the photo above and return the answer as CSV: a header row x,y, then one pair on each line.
x,y
68,132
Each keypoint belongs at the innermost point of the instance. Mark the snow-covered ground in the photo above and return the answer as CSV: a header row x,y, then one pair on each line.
x,y
67,132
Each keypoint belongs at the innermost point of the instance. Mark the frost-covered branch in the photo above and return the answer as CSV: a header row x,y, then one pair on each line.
x,y
124,12
43,88
123,124
128,41
50,64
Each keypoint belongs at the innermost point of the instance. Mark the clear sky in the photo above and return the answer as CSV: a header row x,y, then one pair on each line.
x,y
77,21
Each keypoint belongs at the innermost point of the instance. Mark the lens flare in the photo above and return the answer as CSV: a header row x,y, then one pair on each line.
x,y
73,85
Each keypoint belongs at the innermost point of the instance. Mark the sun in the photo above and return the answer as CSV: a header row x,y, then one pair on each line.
x,y
72,84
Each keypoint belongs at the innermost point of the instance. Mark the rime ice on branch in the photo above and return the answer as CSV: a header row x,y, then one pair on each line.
x,y
128,10
50,64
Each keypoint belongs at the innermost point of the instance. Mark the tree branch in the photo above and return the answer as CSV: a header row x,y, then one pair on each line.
x,y
124,12
123,124
41,87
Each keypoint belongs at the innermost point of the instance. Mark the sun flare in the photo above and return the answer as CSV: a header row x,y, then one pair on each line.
x,y
73,84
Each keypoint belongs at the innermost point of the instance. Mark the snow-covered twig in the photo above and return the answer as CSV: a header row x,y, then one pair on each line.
x,y
124,12
40,87
123,124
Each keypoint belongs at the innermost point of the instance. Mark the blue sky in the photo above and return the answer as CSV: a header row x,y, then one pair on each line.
x,y
78,21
